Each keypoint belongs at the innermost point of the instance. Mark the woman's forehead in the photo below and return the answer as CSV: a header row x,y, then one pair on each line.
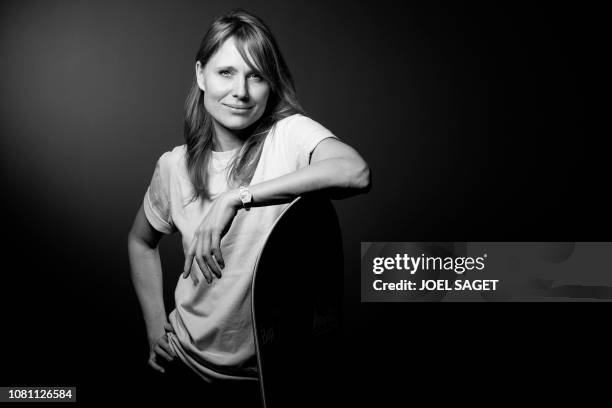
x,y
229,55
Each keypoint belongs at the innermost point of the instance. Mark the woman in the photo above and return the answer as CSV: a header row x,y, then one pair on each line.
x,y
249,152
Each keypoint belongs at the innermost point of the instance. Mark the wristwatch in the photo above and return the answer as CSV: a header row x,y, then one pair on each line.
x,y
246,197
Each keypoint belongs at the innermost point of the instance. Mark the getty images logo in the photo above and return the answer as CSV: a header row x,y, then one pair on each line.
x,y
426,263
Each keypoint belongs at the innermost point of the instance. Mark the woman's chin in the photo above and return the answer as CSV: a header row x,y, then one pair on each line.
x,y
237,123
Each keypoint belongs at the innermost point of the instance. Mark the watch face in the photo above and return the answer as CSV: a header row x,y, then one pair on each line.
x,y
245,195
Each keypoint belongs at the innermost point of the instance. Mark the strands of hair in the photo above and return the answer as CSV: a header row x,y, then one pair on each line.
x,y
254,40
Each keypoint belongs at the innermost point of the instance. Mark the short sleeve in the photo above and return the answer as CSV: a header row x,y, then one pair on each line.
x,y
302,135
157,203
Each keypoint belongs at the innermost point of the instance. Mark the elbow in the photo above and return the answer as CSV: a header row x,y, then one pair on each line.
x,y
368,185
360,178
365,182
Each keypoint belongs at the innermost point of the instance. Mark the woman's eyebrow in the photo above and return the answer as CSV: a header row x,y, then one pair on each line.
x,y
233,69
227,67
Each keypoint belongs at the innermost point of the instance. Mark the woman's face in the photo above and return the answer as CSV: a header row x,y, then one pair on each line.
x,y
234,95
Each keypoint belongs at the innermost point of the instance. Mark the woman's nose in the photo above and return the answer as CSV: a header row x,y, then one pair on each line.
x,y
240,90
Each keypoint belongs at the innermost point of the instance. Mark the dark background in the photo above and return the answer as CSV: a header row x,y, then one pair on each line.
x,y
476,121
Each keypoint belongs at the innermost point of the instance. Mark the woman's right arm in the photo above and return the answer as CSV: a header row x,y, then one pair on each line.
x,y
146,272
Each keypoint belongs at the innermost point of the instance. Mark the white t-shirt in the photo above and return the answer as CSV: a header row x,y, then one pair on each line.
x,y
212,322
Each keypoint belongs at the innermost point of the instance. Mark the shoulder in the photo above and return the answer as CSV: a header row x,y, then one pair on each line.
x,y
298,122
172,160
174,156
300,131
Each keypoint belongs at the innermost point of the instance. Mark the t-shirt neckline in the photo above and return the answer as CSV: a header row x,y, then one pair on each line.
x,y
224,155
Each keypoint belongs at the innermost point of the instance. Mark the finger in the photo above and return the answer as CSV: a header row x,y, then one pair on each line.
x,y
166,347
213,265
216,250
190,255
206,251
204,269
154,364
200,260
169,329
159,350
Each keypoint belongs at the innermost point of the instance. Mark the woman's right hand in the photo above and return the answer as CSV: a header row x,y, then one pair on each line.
x,y
160,346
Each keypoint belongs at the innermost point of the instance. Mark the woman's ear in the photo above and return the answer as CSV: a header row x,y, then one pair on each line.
x,y
200,75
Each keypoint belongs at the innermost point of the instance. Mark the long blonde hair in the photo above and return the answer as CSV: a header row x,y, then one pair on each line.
x,y
250,33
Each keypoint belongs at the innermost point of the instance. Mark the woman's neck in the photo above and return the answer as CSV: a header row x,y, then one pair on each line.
x,y
225,139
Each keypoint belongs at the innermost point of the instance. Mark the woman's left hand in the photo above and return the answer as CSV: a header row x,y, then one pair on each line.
x,y
207,237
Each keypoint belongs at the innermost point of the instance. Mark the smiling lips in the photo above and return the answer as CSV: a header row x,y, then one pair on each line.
x,y
238,107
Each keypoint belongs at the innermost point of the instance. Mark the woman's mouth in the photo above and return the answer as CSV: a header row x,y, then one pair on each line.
x,y
238,108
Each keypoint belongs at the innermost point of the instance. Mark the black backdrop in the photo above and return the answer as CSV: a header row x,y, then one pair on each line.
x,y
472,117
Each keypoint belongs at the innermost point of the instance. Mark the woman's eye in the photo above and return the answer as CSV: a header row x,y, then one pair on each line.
x,y
225,73
257,77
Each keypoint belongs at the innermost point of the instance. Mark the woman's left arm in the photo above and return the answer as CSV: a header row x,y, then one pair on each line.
x,y
335,167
